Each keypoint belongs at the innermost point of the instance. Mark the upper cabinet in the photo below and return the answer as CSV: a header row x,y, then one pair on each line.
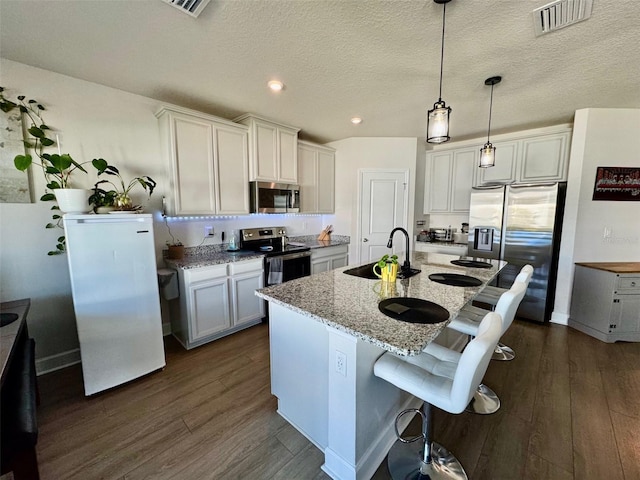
x,y
316,177
535,159
448,180
273,150
209,163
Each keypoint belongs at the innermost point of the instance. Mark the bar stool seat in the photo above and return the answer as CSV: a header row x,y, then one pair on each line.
x,y
485,401
445,379
490,294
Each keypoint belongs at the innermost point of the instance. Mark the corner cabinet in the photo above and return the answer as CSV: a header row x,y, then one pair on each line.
x,y
605,302
216,301
209,163
535,159
316,177
324,259
448,180
273,150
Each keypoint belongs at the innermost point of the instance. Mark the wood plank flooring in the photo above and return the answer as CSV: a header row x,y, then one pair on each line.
x,y
570,410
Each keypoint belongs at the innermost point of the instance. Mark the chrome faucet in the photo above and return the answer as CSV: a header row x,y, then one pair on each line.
x,y
406,266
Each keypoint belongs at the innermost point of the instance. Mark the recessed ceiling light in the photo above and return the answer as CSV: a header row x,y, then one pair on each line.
x,y
276,85
356,120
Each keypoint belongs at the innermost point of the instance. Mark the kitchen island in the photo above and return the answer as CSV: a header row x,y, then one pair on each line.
x,y
326,333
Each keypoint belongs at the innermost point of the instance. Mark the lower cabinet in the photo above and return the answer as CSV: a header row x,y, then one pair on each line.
x,y
327,258
606,304
216,301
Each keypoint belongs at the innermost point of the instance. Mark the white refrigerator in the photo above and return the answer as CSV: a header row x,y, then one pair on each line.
x,y
112,264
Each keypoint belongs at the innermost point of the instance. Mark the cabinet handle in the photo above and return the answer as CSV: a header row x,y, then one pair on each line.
x,y
633,284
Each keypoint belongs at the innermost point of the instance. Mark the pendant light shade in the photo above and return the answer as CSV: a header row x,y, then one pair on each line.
x,y
438,116
488,151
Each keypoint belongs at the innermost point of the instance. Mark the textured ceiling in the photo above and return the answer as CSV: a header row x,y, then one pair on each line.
x,y
375,59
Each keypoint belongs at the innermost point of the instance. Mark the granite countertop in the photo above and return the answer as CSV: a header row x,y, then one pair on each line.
x,y
9,333
615,267
208,255
350,304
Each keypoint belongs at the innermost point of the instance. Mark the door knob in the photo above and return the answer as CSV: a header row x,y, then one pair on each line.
x,y
365,240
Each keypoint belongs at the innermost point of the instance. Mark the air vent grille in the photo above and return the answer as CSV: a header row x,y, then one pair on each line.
x,y
560,14
190,7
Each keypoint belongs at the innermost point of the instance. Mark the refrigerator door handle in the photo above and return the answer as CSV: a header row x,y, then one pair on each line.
x,y
108,220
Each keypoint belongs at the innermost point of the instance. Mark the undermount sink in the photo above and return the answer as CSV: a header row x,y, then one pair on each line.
x,y
363,271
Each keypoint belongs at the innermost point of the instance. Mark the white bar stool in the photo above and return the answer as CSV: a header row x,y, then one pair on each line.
x,y
485,401
446,379
491,297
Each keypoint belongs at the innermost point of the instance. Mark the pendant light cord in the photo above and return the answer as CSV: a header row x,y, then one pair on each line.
x,y
444,13
490,108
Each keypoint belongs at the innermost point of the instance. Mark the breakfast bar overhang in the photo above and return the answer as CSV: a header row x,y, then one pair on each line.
x,y
326,333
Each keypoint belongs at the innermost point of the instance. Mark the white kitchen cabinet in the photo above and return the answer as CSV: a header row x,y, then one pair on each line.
x,y
273,150
316,177
209,163
448,180
216,301
446,248
605,303
534,159
324,259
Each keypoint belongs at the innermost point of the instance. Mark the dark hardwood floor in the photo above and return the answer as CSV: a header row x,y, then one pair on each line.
x,y
570,410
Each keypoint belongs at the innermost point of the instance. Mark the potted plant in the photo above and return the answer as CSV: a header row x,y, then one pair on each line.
x,y
102,200
57,168
121,200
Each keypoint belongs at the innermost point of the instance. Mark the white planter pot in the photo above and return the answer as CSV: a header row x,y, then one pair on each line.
x,y
73,200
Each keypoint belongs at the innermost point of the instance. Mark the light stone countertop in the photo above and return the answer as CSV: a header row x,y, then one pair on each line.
x,y
207,255
350,304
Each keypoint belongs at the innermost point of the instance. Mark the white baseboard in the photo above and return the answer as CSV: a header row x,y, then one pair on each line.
x,y
57,361
559,318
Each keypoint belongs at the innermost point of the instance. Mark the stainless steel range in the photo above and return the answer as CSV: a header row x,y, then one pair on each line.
x,y
282,261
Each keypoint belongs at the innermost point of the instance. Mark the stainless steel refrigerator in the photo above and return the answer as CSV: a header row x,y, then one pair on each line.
x,y
112,263
520,224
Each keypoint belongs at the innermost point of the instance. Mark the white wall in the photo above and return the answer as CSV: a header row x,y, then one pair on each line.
x,y
601,137
92,121
353,154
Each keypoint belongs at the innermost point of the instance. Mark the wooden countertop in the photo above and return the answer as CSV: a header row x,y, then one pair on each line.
x,y
615,267
11,332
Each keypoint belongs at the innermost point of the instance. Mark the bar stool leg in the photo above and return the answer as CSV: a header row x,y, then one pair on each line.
x,y
420,458
503,353
484,401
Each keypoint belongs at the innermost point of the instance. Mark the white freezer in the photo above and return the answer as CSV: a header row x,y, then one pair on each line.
x,y
112,264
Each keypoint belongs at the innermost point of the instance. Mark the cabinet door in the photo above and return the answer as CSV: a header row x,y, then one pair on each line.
x,y
208,308
326,182
320,265
246,305
462,170
339,261
307,177
625,313
288,156
544,158
193,171
505,169
438,180
232,194
264,152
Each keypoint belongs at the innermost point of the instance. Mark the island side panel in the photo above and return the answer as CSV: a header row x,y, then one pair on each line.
x,y
299,365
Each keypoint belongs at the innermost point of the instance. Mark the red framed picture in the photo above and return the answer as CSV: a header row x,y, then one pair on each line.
x,y
617,184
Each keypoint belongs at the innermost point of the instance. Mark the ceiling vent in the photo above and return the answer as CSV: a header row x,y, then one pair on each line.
x,y
560,14
190,7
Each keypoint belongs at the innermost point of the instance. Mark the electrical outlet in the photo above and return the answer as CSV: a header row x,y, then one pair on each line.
x,y
208,231
341,363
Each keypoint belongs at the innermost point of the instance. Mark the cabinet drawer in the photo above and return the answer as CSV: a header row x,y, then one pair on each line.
x,y
205,273
254,265
628,285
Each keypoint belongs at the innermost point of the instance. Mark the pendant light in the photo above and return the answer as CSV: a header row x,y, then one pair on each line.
x,y
488,152
438,116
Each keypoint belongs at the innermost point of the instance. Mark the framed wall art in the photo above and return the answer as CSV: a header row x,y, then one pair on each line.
x,y
617,184
15,186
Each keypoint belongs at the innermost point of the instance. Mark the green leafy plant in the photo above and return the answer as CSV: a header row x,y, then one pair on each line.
x,y
121,199
387,259
102,198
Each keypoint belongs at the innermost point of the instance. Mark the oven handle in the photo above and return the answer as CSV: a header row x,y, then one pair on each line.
x,y
291,256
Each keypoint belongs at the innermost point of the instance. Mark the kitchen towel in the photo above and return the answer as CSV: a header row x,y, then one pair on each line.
x,y
275,270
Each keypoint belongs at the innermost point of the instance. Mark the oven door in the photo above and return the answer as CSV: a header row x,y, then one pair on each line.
x,y
282,268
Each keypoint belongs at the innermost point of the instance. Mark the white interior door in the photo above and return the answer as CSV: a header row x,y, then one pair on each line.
x,y
384,196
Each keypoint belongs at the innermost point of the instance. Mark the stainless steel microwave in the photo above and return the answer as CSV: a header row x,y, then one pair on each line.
x,y
266,197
